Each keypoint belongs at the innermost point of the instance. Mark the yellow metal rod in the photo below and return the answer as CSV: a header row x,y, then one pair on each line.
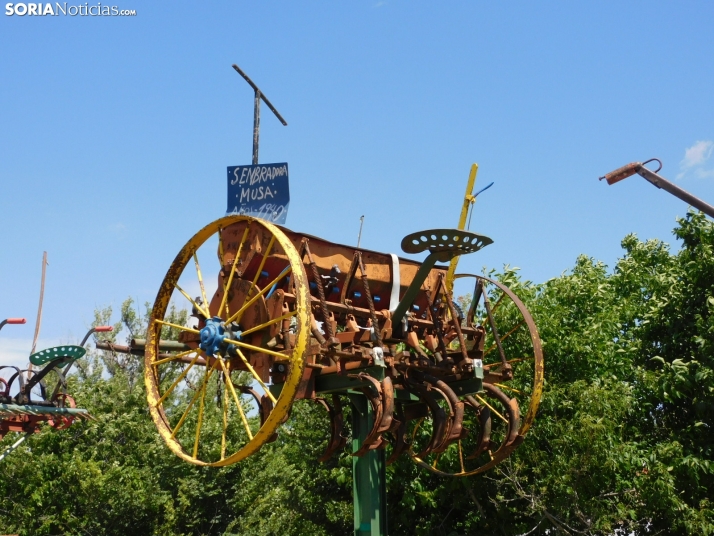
x,y
203,311
493,346
200,280
182,328
266,288
200,422
220,246
492,408
225,424
265,258
229,382
268,323
255,375
461,458
257,348
468,200
227,287
517,360
179,424
181,377
508,388
172,358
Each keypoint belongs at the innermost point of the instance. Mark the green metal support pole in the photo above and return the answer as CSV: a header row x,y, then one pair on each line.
x,y
369,483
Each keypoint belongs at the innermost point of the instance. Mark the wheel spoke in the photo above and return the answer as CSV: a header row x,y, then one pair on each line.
x,y
200,420
225,423
182,328
255,375
518,360
265,258
181,377
268,323
491,408
498,301
257,348
203,311
226,288
236,316
172,358
200,279
461,458
491,348
508,388
229,382
179,424
494,331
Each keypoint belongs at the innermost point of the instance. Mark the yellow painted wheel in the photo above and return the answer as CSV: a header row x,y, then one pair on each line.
x,y
212,393
498,419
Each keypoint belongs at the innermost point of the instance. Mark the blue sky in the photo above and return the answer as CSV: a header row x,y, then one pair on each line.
x,y
116,132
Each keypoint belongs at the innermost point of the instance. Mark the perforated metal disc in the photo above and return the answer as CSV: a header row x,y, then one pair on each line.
x,y
57,352
447,243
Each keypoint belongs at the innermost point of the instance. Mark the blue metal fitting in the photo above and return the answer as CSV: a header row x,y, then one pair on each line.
x,y
212,336
356,294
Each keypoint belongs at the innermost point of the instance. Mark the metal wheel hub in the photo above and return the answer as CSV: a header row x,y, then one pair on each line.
x,y
213,336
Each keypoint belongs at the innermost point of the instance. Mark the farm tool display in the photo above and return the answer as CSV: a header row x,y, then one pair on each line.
x,y
295,317
36,395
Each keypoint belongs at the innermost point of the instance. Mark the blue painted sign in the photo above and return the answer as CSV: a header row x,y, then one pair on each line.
x,y
260,191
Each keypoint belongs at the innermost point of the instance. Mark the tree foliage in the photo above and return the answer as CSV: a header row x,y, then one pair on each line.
x,y
622,443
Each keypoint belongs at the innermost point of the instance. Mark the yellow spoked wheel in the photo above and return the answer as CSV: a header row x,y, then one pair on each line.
x,y
497,420
211,392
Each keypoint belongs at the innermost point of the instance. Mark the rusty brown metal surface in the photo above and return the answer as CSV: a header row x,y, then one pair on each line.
x,y
435,383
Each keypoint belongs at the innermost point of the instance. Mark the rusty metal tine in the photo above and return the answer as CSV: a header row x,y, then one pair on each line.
x,y
320,291
368,295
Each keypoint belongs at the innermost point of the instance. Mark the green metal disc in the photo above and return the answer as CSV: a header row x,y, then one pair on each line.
x,y
57,352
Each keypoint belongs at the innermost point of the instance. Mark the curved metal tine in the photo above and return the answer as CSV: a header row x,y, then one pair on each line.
x,y
246,390
484,434
9,381
400,445
512,410
39,376
455,430
438,416
388,422
373,392
337,440
265,406
478,290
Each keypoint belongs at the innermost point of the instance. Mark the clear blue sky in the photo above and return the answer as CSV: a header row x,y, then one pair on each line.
x,y
116,131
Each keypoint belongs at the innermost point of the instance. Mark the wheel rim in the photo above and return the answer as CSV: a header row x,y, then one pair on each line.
x,y
182,385
494,410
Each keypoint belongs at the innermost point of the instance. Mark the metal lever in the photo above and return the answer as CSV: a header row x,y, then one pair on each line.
x,y
12,321
659,182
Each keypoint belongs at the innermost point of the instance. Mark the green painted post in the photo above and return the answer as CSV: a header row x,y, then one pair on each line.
x,y
369,483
